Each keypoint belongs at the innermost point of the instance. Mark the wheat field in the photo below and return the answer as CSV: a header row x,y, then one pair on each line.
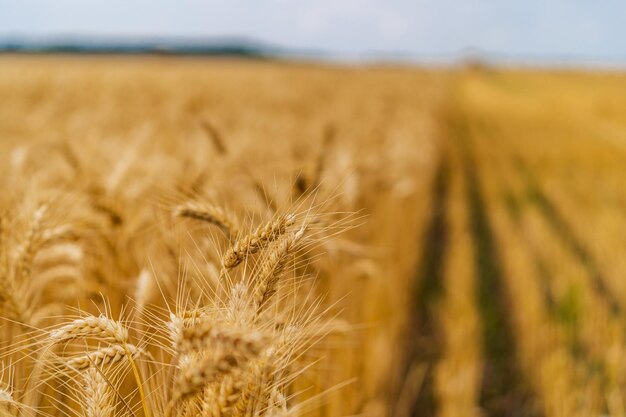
x,y
221,237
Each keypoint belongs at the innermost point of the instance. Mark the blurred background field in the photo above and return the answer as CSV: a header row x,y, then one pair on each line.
x,y
484,275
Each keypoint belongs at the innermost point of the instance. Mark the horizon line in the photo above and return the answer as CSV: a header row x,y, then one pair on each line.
x,y
239,45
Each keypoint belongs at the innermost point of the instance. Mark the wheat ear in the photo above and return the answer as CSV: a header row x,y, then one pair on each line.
x,y
180,321
207,335
273,267
238,311
211,214
206,371
11,304
104,356
212,368
214,135
220,400
97,397
27,250
255,394
253,242
92,327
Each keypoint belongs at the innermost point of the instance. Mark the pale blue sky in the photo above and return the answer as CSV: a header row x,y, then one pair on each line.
x,y
587,29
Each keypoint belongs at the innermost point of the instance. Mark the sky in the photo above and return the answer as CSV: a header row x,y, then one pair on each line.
x,y
585,30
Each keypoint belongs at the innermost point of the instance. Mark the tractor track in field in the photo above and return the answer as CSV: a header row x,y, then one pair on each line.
x,y
568,236
504,391
427,338
514,208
